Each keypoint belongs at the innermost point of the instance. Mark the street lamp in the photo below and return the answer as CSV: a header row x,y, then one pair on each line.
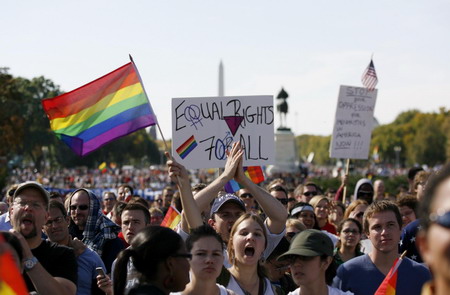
x,y
397,150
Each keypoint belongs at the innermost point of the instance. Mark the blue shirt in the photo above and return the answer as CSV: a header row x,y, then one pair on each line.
x,y
87,262
360,276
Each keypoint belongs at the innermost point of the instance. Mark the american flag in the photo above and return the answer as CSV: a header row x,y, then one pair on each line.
x,y
369,77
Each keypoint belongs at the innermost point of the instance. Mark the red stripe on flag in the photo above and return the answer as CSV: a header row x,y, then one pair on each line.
x,y
85,96
9,273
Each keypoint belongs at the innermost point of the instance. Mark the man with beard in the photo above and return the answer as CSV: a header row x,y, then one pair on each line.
x,y
50,268
92,227
57,231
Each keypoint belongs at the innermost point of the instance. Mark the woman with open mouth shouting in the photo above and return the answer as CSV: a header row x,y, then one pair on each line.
x,y
248,239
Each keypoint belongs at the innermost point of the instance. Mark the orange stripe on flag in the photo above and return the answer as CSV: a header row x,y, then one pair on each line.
x,y
172,218
11,281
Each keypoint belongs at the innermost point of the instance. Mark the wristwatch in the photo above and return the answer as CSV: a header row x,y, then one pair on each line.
x,y
29,263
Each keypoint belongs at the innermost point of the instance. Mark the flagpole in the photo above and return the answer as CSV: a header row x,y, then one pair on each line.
x,y
347,165
157,123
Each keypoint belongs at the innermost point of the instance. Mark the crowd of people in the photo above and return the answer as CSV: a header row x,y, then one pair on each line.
x,y
258,240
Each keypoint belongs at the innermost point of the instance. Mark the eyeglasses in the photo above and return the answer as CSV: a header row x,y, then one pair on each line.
x,y
80,207
184,255
310,194
34,205
246,196
351,231
57,220
442,220
283,201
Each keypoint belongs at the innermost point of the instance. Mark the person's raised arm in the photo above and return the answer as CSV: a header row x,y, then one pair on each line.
x,y
206,195
275,211
191,215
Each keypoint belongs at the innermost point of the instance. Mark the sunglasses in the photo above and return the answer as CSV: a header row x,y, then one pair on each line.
x,y
291,200
309,194
442,220
246,196
80,207
283,201
365,194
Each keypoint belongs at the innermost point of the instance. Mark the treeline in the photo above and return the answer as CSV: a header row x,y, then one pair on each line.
x,y
413,138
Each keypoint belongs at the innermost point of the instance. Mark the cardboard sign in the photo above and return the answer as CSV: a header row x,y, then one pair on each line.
x,y
353,123
203,128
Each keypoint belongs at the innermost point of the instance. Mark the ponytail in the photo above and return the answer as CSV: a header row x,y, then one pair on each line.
x,y
120,270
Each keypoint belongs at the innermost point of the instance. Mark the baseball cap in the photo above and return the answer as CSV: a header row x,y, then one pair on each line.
x,y
220,201
310,242
33,184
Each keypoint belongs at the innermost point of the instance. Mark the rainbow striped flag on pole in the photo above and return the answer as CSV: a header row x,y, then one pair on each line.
x,y
389,284
11,280
95,114
172,218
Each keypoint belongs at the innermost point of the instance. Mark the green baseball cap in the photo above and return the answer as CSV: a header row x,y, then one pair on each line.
x,y
310,242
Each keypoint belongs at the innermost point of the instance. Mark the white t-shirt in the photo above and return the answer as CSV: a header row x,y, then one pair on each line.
x,y
234,286
331,291
222,291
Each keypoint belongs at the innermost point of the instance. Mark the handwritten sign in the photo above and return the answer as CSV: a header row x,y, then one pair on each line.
x,y
203,128
353,123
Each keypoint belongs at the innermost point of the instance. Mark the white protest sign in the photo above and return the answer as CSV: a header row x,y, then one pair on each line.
x,y
203,128
353,123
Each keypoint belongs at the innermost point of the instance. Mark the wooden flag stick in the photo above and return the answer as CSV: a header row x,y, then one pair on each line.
x,y
347,165
166,149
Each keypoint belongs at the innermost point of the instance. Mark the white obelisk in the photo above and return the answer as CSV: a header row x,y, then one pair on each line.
x,y
221,82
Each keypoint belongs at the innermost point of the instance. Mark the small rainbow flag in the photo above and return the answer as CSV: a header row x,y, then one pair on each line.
x,y
389,284
110,107
187,147
11,281
255,173
172,218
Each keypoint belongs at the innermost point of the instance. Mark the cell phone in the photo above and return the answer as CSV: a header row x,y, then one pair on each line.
x,y
100,271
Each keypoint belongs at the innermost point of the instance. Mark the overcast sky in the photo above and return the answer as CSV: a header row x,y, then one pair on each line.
x,y
307,47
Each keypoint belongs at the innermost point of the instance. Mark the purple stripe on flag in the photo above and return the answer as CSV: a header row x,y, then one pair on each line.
x,y
188,150
232,186
117,132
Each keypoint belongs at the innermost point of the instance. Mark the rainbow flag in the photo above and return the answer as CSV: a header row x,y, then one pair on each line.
x,y
110,107
187,147
255,173
172,218
389,284
11,281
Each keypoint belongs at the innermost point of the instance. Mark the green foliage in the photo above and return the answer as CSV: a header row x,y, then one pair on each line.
x,y
319,145
423,138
